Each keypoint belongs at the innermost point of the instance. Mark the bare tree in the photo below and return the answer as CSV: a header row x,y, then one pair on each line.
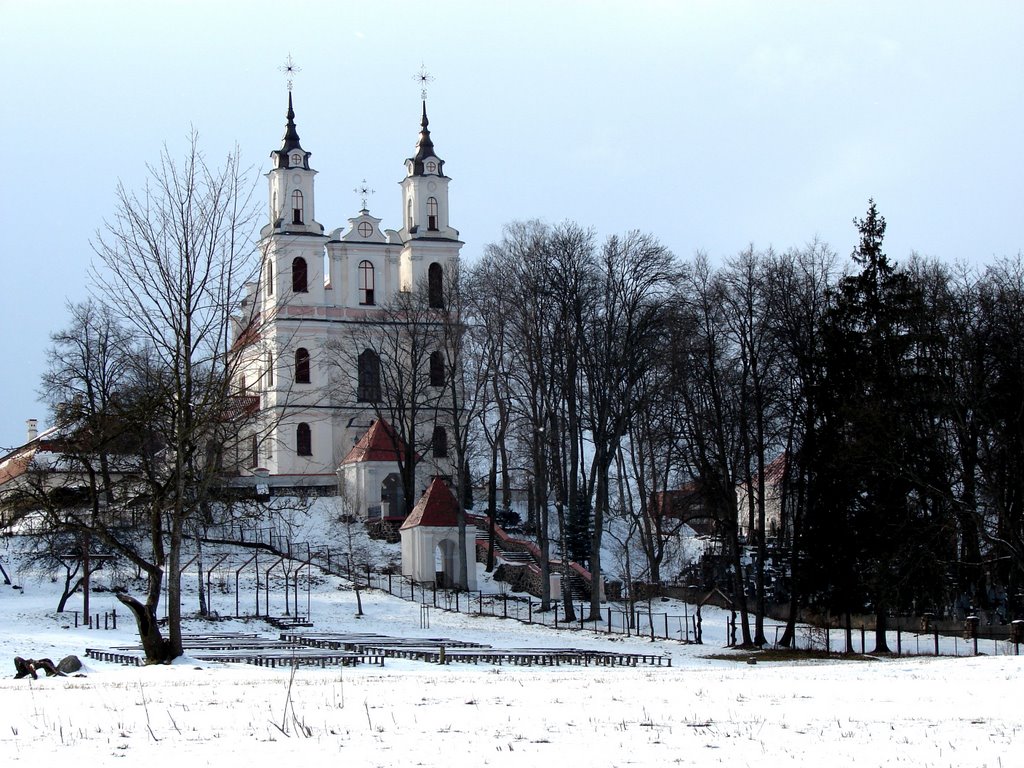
x,y
489,302
799,282
461,365
172,265
625,339
88,366
706,382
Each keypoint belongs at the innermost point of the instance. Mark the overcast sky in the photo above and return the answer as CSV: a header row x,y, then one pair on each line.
x,y
711,124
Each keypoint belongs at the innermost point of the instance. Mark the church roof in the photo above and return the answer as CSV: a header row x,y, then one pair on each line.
x,y
425,148
436,508
289,142
379,443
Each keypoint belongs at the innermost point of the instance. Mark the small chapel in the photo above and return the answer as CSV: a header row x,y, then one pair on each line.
x,y
306,329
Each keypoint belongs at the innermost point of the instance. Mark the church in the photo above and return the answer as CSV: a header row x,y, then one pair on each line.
x,y
311,334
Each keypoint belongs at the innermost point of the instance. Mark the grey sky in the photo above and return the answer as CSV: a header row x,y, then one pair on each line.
x,y
713,125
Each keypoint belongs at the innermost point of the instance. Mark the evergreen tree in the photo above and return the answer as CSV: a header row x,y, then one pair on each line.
x,y
876,527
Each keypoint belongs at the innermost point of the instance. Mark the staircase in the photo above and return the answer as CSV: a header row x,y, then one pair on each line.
x,y
523,555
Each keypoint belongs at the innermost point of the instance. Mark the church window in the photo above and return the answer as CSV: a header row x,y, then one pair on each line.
x,y
303,440
408,215
439,442
270,277
366,283
296,159
432,214
431,166
368,390
302,366
436,369
254,452
365,229
435,286
299,275
270,370
296,207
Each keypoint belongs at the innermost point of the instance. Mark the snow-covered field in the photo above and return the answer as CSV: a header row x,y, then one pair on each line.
x,y
920,711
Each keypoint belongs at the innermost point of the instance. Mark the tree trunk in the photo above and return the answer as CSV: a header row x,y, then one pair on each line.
x,y
881,626
157,649
203,607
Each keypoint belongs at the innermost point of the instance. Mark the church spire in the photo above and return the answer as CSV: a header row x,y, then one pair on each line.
x,y
291,135
291,154
425,161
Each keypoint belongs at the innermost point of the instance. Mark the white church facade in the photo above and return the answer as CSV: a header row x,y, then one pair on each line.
x,y
305,337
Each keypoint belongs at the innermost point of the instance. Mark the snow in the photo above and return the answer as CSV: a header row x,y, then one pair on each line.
x,y
917,711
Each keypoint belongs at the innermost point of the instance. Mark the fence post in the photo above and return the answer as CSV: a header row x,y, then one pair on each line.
x,y
936,635
861,639
609,619
899,639
504,606
457,601
529,614
666,625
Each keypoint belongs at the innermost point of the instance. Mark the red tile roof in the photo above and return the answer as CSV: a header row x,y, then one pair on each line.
x,y
379,443
436,508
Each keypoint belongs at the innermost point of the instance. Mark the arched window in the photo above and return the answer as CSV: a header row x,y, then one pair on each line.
x,y
408,215
299,275
368,390
254,452
296,207
432,214
366,283
303,440
439,442
435,286
302,366
270,277
436,369
270,370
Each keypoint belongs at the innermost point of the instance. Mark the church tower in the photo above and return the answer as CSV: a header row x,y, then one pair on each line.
x,y
291,355
292,240
431,244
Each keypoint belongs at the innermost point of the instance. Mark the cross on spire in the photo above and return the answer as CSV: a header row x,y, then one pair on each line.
x,y
364,192
289,69
424,78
